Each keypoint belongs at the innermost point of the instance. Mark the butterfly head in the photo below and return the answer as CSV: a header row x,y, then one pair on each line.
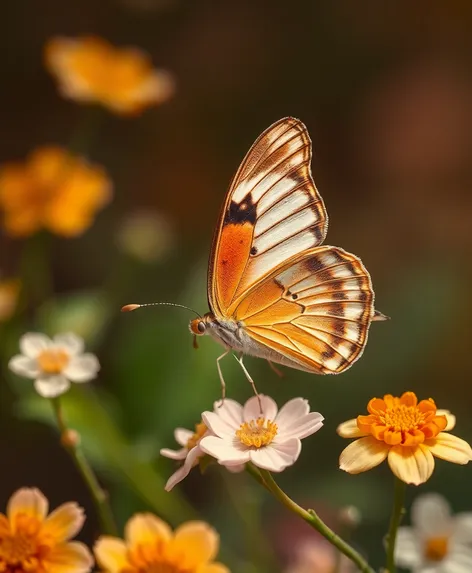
x,y
198,326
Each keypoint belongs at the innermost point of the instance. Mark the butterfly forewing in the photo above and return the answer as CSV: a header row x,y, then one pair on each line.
x,y
316,311
272,213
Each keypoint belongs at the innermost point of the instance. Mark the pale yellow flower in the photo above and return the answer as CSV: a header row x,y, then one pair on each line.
x,y
33,542
51,190
90,69
9,292
150,545
407,432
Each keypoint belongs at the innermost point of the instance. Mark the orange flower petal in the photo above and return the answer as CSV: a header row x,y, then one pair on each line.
x,y
426,406
450,448
146,528
391,437
451,419
29,502
365,423
64,522
376,406
350,429
440,422
414,437
411,465
69,558
379,432
111,554
196,543
390,401
409,399
213,568
362,455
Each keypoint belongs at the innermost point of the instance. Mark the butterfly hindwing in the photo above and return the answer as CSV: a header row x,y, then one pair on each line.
x,y
272,213
315,311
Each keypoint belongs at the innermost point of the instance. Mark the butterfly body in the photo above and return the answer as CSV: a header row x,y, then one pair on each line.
x,y
274,290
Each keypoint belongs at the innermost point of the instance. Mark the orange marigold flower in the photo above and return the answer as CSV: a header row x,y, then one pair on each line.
x,y
52,190
407,432
150,545
33,542
89,69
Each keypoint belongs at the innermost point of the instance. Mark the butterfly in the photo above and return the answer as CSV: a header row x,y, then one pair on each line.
x,y
274,290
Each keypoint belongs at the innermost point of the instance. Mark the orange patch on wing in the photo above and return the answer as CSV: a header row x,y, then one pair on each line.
x,y
259,299
232,256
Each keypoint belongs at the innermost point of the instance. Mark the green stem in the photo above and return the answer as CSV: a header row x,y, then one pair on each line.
x,y
312,519
397,514
70,441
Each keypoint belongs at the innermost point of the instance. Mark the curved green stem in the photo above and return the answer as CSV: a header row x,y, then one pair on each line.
x,y
70,441
312,519
397,514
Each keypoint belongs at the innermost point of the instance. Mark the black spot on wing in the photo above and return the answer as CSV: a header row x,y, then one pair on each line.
x,y
240,213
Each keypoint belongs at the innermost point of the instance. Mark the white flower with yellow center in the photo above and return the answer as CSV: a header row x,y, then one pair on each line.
x,y
259,433
54,364
437,542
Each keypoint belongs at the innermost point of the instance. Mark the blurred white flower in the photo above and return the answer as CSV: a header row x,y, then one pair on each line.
x,y
319,556
54,364
147,236
437,542
269,439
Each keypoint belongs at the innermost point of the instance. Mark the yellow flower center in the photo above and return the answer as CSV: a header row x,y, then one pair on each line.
x,y
53,361
257,433
200,430
402,421
436,548
21,552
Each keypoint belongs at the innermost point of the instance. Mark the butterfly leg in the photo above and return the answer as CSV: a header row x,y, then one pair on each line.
x,y
273,367
222,380
251,381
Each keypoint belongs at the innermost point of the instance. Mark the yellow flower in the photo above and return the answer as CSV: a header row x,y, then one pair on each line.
x,y
30,542
52,190
407,432
89,69
150,546
9,292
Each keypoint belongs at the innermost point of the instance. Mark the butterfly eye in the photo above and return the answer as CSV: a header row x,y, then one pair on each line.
x,y
201,327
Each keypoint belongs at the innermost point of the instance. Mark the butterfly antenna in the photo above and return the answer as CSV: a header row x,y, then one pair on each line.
x,y
130,307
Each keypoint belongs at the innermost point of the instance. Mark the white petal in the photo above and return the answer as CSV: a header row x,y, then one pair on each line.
x,y
349,429
70,342
182,436
183,471
431,515
300,427
51,386
362,455
252,408
407,549
225,451
82,368
459,560
230,412
24,366
276,457
218,426
293,410
32,343
234,468
463,528
174,454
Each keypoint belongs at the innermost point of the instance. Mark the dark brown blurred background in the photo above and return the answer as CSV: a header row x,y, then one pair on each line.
x,y
385,90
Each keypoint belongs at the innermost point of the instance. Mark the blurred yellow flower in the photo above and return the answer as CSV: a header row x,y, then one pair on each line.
x,y
407,432
9,292
52,190
90,69
150,546
33,542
